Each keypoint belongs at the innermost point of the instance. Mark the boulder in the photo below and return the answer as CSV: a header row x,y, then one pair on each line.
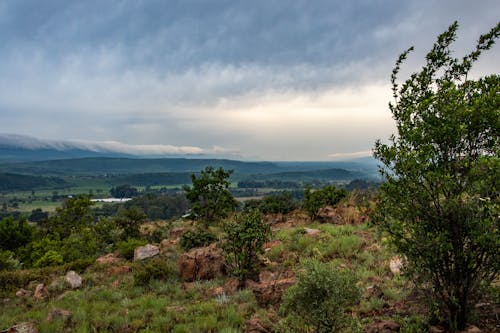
x,y
41,291
110,258
384,326
146,251
269,292
74,280
202,263
471,329
25,327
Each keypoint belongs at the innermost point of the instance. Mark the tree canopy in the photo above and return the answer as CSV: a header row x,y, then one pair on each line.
x,y
440,200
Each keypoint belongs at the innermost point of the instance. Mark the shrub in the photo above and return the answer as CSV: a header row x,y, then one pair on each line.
x,y
280,203
83,244
315,200
50,258
126,248
154,269
243,243
14,234
198,238
8,261
321,297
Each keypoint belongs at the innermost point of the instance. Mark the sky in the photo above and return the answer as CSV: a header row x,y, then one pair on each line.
x,y
257,80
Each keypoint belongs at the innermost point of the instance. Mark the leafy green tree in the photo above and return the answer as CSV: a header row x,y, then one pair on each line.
x,y
124,191
75,213
243,243
209,195
314,200
320,298
14,234
130,220
440,199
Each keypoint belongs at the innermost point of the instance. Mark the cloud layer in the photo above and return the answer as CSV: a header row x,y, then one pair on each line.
x,y
275,80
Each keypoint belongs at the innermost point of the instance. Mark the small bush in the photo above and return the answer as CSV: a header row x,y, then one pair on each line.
x,y
50,258
126,248
320,298
154,269
243,243
199,238
8,261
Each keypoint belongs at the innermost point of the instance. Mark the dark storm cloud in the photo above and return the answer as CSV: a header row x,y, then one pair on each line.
x,y
197,72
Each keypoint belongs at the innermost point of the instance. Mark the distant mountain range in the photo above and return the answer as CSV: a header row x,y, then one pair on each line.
x,y
31,156
18,148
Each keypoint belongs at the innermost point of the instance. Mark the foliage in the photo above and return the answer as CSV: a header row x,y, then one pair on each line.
x,y
160,206
123,191
199,238
8,261
50,258
80,245
314,200
280,203
126,248
321,297
209,195
14,234
155,269
74,214
243,243
440,201
129,220
38,215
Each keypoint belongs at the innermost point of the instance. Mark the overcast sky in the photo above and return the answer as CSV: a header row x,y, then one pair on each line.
x,y
266,80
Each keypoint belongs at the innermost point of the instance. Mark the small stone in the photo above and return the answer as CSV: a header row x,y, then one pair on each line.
x,y
25,327
57,313
395,265
312,232
41,291
23,293
110,258
119,270
436,329
146,251
73,279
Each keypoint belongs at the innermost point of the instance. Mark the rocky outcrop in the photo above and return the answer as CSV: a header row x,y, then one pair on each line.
x,y
201,264
146,251
73,279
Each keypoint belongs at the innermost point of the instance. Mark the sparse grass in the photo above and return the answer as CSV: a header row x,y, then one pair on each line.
x,y
162,303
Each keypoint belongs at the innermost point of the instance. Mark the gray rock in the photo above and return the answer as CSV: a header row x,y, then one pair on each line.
x,y
73,279
146,251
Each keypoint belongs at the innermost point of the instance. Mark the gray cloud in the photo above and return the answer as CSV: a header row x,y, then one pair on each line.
x,y
249,75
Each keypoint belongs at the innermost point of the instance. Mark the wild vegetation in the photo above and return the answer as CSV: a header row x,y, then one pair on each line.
x,y
419,254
